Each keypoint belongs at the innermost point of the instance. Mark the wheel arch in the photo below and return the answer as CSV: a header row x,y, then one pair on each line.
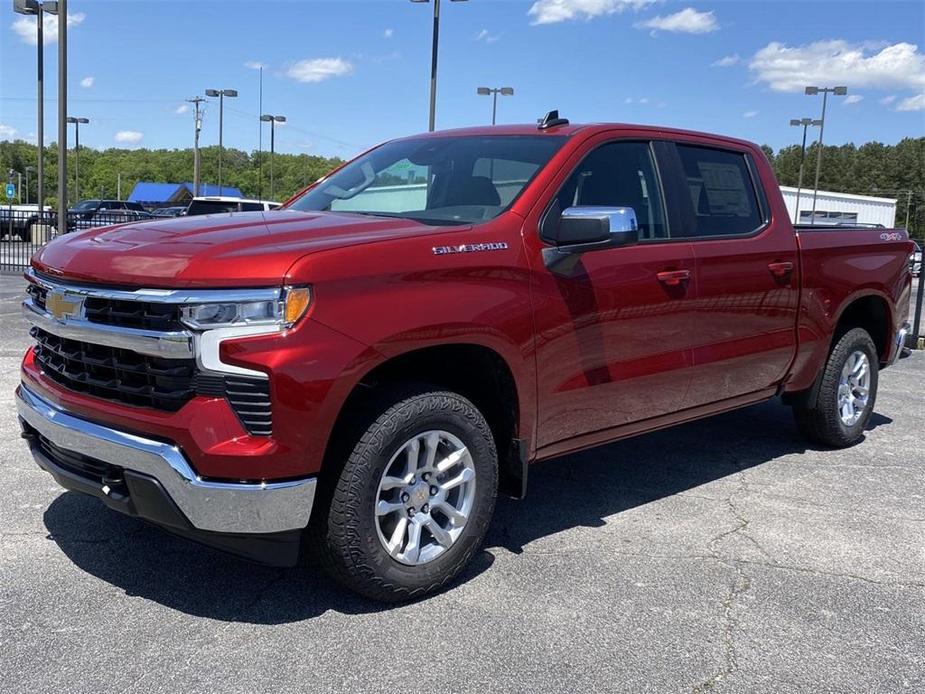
x,y
476,371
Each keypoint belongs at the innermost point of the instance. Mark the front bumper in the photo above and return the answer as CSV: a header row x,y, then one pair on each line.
x,y
153,480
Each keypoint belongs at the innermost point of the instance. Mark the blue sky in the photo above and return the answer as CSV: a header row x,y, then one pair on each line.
x,y
351,73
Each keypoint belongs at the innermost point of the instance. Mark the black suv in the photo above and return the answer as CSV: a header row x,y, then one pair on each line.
x,y
86,210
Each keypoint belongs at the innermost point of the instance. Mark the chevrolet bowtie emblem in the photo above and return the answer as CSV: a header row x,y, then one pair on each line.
x,y
58,305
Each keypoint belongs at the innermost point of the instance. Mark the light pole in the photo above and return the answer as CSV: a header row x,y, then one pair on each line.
x,y
493,92
34,7
805,122
77,122
272,120
433,61
813,91
221,94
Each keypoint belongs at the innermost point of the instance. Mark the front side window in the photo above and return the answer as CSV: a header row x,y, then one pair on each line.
x,y
436,180
619,174
721,190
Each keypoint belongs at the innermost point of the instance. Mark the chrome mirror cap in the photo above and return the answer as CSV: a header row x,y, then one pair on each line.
x,y
620,219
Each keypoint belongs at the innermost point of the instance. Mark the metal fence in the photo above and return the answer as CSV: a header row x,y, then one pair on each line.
x,y
24,231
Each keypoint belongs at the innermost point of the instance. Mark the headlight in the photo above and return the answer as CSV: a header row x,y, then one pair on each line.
x,y
283,312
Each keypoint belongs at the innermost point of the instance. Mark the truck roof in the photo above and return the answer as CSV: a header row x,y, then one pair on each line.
x,y
573,128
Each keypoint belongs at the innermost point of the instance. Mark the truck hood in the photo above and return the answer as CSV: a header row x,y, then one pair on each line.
x,y
238,249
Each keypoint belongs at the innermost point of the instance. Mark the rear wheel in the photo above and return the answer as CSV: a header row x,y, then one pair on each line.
x,y
414,498
846,395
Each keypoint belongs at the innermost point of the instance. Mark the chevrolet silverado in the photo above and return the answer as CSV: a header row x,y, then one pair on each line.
x,y
367,367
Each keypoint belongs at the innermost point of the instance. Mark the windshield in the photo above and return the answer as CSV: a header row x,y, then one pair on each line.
x,y
86,205
436,180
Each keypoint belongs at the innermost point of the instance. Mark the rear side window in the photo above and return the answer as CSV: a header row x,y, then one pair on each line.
x,y
722,192
252,206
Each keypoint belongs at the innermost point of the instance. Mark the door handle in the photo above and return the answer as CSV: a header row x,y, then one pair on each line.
x,y
780,269
672,278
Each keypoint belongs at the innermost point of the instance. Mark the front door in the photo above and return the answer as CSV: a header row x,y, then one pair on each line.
x,y
613,332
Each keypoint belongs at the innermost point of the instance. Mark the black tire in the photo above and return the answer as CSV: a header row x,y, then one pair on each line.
x,y
821,423
346,533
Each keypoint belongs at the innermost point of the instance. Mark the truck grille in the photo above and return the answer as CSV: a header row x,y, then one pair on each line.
x,y
115,374
162,384
141,315
124,376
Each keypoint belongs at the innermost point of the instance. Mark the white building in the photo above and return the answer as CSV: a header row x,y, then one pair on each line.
x,y
835,208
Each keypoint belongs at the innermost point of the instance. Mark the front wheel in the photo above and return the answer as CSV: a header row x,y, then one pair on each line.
x,y
846,395
414,498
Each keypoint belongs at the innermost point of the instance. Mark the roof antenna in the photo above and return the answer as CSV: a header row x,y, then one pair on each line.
x,y
551,120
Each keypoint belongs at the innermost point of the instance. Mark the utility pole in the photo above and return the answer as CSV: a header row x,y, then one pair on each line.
x,y
197,171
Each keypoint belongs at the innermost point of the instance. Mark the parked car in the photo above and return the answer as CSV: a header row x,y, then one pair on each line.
x,y
17,221
217,204
104,218
86,210
916,259
175,211
373,363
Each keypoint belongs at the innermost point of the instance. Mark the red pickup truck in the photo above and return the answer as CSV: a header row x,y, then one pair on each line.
x,y
370,365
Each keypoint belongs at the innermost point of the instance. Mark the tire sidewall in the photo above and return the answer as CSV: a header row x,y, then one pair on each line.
x,y
852,341
440,411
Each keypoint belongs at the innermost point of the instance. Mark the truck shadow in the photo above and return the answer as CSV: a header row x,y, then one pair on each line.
x,y
578,490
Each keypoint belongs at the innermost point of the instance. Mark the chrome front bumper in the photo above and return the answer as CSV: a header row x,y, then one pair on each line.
x,y
222,507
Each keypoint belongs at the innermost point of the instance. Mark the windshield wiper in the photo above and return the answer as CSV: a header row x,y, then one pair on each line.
x,y
436,221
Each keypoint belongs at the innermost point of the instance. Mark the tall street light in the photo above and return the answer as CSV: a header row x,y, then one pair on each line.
x,y
221,94
272,120
433,60
805,122
493,92
34,7
825,91
77,122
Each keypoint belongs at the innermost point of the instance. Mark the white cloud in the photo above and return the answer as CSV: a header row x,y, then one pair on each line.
x,y
129,137
686,21
7,131
487,36
749,114
86,82
27,30
641,100
319,69
727,61
852,99
553,11
255,65
887,100
388,33
181,109
831,62
913,103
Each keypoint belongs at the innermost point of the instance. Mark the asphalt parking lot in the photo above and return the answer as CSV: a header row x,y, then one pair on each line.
x,y
723,555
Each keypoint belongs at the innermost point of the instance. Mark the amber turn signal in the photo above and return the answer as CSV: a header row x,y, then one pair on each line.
x,y
298,299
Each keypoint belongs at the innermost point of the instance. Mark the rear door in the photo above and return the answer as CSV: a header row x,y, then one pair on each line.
x,y
747,275
613,332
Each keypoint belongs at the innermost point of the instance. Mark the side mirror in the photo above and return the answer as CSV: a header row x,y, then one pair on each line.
x,y
582,229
